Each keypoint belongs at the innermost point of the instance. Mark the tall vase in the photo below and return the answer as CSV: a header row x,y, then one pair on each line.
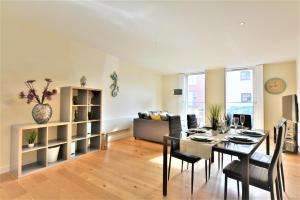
x,y
41,113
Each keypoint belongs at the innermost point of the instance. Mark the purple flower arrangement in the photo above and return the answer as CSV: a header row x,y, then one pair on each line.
x,y
32,95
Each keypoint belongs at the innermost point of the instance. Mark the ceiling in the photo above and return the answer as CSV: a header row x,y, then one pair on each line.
x,y
174,37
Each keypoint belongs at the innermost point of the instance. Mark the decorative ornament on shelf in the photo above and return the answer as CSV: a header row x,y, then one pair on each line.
x,y
83,81
275,86
114,86
42,111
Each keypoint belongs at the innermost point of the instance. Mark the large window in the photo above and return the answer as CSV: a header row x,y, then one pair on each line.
x,y
239,92
196,96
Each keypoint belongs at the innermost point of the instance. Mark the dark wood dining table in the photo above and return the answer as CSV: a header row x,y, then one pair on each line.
x,y
242,151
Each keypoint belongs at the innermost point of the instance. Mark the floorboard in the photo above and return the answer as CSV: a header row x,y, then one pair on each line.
x,y
132,169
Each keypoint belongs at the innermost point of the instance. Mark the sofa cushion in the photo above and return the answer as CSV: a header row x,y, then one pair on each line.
x,y
155,117
143,115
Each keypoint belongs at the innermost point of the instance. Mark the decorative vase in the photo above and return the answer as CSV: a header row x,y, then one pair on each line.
x,y
53,153
31,145
42,113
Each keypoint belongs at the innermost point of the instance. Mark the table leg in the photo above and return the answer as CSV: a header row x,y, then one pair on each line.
x,y
268,145
245,177
165,167
212,159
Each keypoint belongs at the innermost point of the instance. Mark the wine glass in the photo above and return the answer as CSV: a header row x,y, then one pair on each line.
x,y
242,118
235,122
223,126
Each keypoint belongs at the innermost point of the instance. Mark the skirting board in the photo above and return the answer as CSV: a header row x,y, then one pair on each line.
x,y
117,135
4,169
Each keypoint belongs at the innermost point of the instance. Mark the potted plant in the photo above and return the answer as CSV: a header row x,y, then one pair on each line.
x,y
42,111
30,138
214,117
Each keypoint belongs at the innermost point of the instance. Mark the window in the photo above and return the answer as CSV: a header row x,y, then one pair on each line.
x,y
239,92
245,75
196,96
246,97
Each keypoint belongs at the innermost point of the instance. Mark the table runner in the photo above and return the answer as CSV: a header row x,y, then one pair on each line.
x,y
201,149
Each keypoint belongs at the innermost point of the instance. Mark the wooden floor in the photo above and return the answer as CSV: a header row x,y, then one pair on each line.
x,y
132,169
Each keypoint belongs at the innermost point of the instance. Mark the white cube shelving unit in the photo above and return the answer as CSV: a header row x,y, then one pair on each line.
x,y
26,160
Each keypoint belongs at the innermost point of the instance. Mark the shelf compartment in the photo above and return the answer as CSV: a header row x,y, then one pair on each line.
x,y
94,143
33,161
40,141
79,113
94,98
95,127
80,148
79,130
57,135
82,96
94,112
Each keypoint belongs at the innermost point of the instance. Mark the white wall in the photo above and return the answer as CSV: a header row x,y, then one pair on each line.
x,y
32,52
171,102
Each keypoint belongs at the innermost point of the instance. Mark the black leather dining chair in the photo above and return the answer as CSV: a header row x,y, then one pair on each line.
x,y
175,131
264,160
192,121
260,177
248,121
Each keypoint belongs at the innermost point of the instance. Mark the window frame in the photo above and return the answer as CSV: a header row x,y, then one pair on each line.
x,y
187,91
225,84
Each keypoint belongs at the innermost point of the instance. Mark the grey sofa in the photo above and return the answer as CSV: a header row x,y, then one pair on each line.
x,y
152,130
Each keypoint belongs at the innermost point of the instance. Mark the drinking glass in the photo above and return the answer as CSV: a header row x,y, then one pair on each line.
x,y
235,122
223,127
242,118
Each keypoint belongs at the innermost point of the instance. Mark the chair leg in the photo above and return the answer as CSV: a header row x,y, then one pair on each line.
x,y
277,188
206,170
169,167
279,182
218,160
272,191
238,187
192,178
282,176
181,166
225,188
222,161
209,165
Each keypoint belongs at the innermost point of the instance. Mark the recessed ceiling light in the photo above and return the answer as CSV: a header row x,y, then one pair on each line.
x,y
242,23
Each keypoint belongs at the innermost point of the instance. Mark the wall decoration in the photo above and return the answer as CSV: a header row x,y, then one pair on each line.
x,y
42,111
275,86
83,81
114,86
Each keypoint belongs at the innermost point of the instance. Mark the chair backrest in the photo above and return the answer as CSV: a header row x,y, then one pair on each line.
x,y
248,121
191,121
278,150
175,131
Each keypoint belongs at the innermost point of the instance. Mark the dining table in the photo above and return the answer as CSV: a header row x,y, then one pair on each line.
x,y
221,144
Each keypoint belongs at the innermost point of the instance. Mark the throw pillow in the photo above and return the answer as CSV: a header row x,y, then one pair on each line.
x,y
155,117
